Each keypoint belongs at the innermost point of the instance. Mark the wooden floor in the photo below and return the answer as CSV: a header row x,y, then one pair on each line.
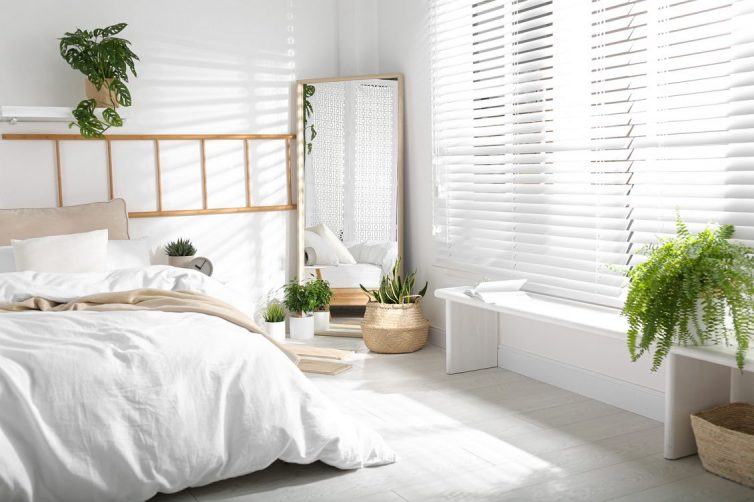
x,y
483,435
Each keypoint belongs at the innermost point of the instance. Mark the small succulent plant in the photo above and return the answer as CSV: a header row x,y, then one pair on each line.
x,y
275,312
180,247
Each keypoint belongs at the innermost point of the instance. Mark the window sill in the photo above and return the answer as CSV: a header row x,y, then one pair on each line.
x,y
582,316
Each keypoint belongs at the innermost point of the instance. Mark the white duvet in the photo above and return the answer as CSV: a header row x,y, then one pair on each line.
x,y
99,406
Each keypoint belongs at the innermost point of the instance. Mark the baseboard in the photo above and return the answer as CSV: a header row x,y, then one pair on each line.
x,y
625,395
437,336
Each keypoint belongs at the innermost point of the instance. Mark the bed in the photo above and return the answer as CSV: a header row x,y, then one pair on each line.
x,y
108,400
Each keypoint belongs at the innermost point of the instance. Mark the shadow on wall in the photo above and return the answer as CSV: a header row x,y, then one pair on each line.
x,y
187,87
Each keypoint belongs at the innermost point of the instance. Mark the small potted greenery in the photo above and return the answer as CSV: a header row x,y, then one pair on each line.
x,y
106,61
393,322
180,252
274,320
300,302
693,289
322,293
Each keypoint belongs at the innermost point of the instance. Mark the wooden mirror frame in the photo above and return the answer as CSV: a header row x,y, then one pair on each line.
x,y
344,296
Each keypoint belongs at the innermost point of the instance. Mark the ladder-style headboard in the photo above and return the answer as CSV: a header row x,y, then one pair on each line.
x,y
156,139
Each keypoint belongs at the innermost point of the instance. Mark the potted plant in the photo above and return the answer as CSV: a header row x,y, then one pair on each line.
x,y
300,302
105,60
274,319
393,322
320,289
693,289
180,252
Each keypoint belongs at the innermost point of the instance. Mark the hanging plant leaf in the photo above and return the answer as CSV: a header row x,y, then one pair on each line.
x,y
112,118
121,93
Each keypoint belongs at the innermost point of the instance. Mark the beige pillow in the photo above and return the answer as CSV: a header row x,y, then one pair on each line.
x,y
70,253
29,223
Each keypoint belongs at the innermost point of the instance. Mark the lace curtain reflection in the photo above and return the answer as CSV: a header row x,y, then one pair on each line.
x,y
351,174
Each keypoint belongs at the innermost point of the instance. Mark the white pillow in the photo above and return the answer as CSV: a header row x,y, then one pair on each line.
x,y
382,253
128,254
7,262
85,252
318,252
341,251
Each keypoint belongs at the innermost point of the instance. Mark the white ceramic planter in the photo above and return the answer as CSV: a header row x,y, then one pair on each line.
x,y
321,321
301,328
276,330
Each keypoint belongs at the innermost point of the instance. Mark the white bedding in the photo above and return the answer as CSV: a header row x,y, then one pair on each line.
x,y
349,276
120,405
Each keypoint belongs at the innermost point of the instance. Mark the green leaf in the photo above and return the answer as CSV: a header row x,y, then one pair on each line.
x,y
114,29
112,118
119,89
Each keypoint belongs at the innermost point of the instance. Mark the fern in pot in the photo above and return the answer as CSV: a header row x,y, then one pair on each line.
x,y
300,302
180,252
322,293
274,320
693,289
393,322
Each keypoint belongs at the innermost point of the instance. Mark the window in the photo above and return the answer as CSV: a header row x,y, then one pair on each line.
x,y
567,133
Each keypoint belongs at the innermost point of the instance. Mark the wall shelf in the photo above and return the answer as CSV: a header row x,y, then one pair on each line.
x,y
15,114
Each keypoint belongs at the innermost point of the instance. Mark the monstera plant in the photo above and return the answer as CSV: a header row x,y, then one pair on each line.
x,y
309,91
106,61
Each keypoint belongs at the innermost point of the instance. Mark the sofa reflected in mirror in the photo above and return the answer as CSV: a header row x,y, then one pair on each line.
x,y
350,181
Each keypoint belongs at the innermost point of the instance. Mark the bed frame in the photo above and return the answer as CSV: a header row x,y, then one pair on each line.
x,y
156,140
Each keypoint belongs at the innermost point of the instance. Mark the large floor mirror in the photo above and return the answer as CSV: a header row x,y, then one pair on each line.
x,y
350,165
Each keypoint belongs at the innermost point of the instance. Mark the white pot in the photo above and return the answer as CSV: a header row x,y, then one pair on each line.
x,y
321,321
728,323
302,328
276,330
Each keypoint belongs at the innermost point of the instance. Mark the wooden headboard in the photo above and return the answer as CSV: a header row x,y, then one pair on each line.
x,y
156,139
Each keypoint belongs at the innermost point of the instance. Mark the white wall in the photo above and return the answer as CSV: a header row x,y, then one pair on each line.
x,y
358,37
206,67
565,357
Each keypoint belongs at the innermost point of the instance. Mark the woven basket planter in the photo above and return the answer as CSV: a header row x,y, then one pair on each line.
x,y
394,329
725,440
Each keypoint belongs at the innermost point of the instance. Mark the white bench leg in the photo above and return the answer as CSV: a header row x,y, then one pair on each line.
x,y
471,338
691,385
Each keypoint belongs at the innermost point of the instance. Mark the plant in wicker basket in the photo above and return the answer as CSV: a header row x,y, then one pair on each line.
x,y
394,289
694,288
393,322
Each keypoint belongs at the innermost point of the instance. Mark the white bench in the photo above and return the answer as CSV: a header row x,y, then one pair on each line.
x,y
696,378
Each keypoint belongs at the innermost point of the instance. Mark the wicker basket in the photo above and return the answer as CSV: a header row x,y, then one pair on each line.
x,y
394,329
725,440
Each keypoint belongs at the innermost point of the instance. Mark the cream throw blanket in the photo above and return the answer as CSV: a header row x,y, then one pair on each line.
x,y
148,299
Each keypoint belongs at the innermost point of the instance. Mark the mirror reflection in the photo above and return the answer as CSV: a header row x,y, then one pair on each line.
x,y
351,183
